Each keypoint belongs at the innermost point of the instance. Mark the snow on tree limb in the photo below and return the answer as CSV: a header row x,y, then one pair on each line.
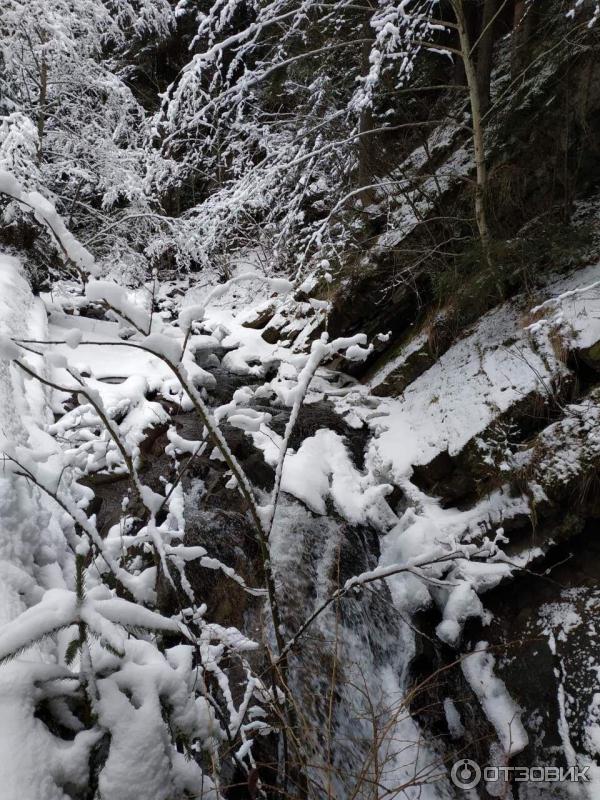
x,y
46,214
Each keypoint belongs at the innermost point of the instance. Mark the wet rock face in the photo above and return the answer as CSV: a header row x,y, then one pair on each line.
x,y
111,489
362,304
228,537
545,640
402,376
545,630
591,356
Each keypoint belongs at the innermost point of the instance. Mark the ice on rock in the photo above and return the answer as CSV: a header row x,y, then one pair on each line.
x,y
498,706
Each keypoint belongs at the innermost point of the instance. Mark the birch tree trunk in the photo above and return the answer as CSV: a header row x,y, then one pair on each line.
x,y
478,134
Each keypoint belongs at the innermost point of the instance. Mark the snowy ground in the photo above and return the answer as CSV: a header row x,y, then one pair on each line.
x,y
33,557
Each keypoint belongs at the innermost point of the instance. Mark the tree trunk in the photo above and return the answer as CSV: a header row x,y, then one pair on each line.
x,y
365,172
478,138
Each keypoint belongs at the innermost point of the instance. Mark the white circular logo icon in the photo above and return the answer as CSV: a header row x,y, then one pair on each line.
x,y
465,774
